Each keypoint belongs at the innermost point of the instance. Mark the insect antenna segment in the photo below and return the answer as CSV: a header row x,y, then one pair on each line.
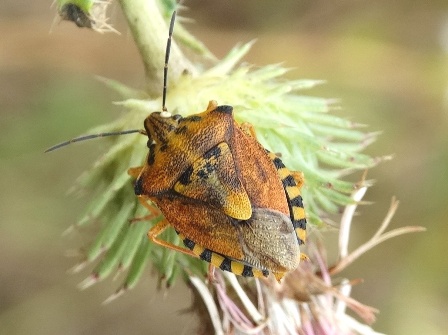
x,y
91,136
165,112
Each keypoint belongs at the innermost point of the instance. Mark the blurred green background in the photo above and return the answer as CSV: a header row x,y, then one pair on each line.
x,y
385,61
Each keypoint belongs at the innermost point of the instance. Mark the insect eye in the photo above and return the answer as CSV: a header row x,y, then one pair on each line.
x,y
177,117
150,143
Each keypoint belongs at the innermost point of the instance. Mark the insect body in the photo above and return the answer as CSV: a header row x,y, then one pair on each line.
x,y
233,203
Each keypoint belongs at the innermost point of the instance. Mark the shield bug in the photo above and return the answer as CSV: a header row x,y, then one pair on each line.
x,y
233,203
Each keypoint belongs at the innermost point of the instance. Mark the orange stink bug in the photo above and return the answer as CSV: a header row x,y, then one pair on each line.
x,y
233,203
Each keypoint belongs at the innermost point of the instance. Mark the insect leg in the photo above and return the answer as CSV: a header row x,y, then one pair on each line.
x,y
160,228
153,211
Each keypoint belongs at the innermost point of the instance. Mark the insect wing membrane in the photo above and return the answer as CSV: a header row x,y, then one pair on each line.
x,y
269,241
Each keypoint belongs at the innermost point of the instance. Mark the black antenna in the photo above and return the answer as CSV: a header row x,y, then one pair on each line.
x,y
89,137
167,58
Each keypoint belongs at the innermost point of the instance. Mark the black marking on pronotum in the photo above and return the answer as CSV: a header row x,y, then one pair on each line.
x,y
152,153
180,130
224,109
171,128
192,118
159,127
164,147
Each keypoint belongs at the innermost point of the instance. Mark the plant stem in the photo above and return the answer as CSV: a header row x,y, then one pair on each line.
x,y
150,32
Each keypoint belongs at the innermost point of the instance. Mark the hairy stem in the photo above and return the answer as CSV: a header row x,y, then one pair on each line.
x,y
150,31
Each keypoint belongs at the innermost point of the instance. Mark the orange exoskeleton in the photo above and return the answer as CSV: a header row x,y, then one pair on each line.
x,y
233,203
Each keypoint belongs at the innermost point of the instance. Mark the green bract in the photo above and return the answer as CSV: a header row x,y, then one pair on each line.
x,y
298,127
